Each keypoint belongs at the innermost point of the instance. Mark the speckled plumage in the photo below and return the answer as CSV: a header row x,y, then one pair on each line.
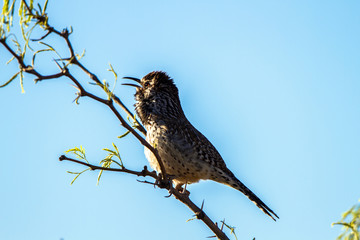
x,y
187,154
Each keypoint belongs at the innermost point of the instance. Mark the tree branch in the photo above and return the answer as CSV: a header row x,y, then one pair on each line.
x,y
200,214
165,181
65,35
143,173
184,198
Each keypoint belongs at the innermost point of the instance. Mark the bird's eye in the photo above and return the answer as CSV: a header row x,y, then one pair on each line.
x,y
146,84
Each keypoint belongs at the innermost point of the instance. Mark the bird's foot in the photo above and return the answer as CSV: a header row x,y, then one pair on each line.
x,y
182,190
166,182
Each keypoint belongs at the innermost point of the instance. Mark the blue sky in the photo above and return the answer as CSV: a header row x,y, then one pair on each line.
x,y
273,84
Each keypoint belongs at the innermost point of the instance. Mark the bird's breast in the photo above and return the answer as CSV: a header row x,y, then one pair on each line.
x,y
178,153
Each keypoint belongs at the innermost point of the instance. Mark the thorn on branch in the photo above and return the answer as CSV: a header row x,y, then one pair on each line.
x,y
200,214
147,182
144,171
222,225
65,33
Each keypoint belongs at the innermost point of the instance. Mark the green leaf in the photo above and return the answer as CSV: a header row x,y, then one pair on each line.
x,y
117,150
39,6
108,150
22,81
105,87
52,49
21,11
117,163
78,152
111,154
79,175
5,9
190,219
76,100
124,135
232,229
45,6
10,13
348,212
350,223
26,35
31,6
39,51
10,60
99,176
80,56
106,163
2,33
18,47
115,75
10,80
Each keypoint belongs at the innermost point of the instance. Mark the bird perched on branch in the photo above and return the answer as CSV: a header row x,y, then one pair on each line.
x,y
186,154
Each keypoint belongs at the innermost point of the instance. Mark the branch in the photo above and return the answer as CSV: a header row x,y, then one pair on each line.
x,y
65,35
110,104
73,60
182,197
27,7
115,98
18,58
200,214
83,93
143,173
165,181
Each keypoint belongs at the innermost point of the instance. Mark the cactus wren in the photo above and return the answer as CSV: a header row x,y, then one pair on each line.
x,y
186,154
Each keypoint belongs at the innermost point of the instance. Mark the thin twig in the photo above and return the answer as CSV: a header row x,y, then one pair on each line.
x,y
143,173
50,30
27,7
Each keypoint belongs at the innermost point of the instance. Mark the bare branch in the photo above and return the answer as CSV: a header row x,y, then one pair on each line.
x,y
50,30
200,214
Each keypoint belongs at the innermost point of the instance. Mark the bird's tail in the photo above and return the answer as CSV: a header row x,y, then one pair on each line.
x,y
235,183
255,199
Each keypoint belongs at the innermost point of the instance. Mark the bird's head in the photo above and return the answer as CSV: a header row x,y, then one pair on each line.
x,y
156,95
153,84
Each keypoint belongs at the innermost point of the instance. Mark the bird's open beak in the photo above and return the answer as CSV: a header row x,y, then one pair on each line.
x,y
130,84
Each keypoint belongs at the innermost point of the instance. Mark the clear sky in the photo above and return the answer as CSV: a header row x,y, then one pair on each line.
x,y
273,84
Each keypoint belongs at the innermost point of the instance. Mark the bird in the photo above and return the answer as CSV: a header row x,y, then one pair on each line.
x,y
186,153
